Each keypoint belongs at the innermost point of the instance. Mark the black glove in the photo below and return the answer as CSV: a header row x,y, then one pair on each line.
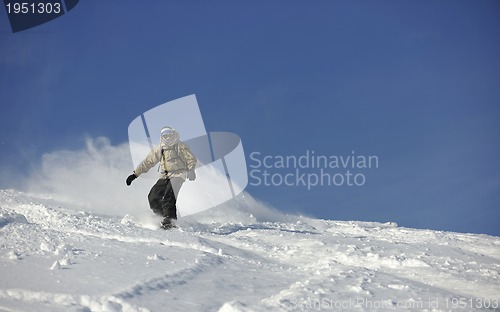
x,y
131,178
191,175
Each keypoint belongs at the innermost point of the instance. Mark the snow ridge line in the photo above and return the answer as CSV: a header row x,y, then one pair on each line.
x,y
166,281
92,303
56,220
140,240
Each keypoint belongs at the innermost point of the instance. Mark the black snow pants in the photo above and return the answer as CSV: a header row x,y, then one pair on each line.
x,y
163,197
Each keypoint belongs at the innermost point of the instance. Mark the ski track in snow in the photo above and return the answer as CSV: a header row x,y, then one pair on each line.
x,y
53,258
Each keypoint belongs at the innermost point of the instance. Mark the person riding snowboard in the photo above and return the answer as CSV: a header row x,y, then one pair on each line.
x,y
177,163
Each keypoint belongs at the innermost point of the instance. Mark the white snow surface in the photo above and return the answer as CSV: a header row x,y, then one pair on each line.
x,y
241,256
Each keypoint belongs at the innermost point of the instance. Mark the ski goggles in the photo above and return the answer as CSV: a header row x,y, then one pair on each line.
x,y
168,133
169,136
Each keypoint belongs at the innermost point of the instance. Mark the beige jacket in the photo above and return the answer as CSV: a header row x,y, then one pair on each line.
x,y
175,161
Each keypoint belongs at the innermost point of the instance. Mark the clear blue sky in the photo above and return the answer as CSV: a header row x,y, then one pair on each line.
x,y
416,83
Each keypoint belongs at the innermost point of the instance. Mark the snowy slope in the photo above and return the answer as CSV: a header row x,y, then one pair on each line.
x,y
238,257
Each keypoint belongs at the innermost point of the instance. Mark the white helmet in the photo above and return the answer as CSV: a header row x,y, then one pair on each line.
x,y
168,136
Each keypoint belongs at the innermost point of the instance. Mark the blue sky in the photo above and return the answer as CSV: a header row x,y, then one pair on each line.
x,y
414,82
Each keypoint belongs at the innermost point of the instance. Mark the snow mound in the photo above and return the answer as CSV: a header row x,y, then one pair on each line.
x,y
7,217
235,306
240,256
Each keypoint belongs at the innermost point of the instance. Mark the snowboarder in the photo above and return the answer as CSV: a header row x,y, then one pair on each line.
x,y
177,163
